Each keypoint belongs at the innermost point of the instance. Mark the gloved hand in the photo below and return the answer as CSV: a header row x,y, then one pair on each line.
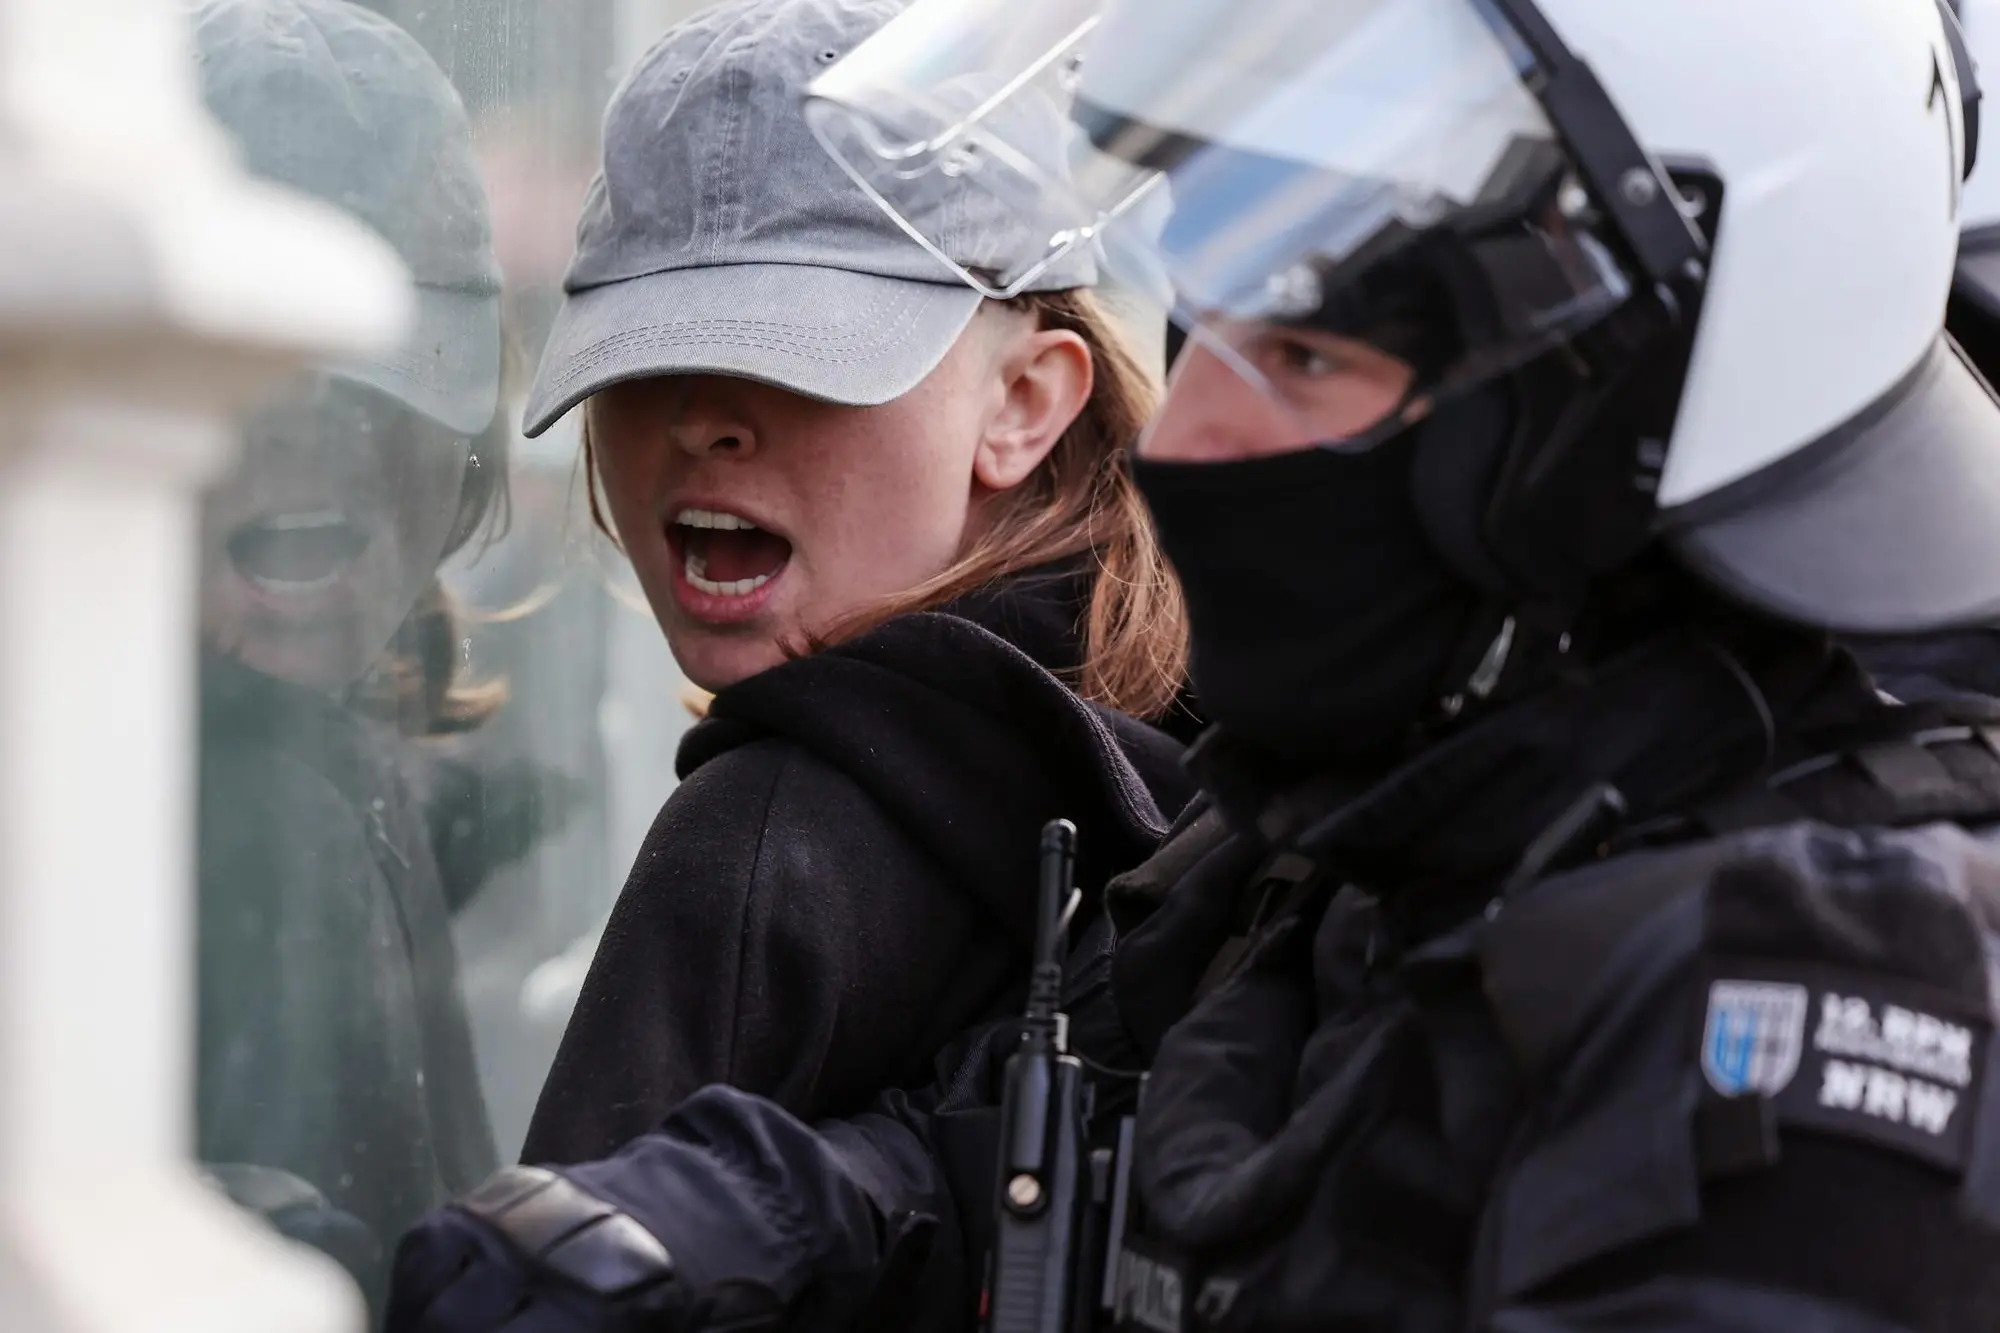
x,y
301,1212
530,1251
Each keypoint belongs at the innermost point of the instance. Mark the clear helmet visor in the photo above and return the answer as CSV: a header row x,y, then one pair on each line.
x,y
955,118
1332,196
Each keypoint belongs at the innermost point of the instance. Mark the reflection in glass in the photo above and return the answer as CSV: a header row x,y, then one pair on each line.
x,y
592,693
337,1091
434,732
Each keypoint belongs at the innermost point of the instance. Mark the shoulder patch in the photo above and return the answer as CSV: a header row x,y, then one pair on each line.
x,y
1846,1052
1752,1037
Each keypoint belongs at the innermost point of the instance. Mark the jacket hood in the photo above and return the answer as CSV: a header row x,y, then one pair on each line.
x,y
957,723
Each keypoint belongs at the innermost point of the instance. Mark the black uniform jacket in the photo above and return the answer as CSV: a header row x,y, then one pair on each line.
x,y
1934,666
1707,1053
845,878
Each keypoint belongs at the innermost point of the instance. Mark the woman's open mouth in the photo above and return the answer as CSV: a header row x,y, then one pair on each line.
x,y
296,554
725,563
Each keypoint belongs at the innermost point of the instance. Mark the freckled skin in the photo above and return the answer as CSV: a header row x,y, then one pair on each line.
x,y
874,500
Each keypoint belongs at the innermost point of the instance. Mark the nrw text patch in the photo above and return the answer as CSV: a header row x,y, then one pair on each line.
x,y
1845,1053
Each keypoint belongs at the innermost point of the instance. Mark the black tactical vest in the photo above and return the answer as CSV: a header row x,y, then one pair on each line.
x,y
1372,1120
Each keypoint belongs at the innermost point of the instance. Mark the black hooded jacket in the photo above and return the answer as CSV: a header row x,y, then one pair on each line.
x,y
845,878
334,1049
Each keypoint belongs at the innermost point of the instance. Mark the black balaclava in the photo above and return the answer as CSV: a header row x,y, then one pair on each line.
x,y
1323,621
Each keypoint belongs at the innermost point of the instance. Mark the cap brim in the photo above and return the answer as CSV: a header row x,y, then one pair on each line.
x,y
448,369
851,338
1889,525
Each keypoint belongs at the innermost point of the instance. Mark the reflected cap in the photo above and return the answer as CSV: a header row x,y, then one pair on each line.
x,y
339,103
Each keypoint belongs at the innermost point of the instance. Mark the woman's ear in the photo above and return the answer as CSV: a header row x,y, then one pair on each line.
x,y
1045,377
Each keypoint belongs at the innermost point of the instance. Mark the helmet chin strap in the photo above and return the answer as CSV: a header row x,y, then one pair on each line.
x,y
1565,500
1453,486
1486,674
1524,636
1508,649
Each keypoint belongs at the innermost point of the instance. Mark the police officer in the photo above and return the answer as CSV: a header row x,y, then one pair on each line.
x,y
1608,955
1611,957
1576,940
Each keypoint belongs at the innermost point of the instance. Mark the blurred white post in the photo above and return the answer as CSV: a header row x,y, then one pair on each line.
x,y
146,288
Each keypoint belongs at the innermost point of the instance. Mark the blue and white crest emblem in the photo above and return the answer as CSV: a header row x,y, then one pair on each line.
x,y
1755,1033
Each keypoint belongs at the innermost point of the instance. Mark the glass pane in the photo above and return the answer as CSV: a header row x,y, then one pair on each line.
x,y
437,719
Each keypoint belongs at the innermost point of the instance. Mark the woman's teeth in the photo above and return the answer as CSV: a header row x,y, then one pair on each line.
x,y
696,569
709,518
296,553
711,538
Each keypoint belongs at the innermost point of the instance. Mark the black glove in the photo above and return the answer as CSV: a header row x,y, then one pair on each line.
x,y
731,1217
301,1212
531,1251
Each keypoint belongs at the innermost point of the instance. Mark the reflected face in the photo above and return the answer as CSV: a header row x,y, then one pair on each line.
x,y
1244,391
756,518
326,533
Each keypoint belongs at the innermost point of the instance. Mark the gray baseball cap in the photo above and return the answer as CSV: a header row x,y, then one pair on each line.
x,y
341,104
721,238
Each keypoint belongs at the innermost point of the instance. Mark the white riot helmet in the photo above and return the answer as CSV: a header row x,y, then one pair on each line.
x,y
1736,222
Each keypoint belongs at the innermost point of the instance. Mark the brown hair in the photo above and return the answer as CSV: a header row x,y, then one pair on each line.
x,y
419,683
1081,500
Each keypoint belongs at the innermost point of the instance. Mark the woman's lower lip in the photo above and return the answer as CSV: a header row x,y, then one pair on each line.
x,y
723,608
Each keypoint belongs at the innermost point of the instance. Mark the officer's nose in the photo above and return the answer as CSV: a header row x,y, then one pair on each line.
x,y
710,420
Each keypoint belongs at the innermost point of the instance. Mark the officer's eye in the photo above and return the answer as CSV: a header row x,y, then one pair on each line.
x,y
1296,356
